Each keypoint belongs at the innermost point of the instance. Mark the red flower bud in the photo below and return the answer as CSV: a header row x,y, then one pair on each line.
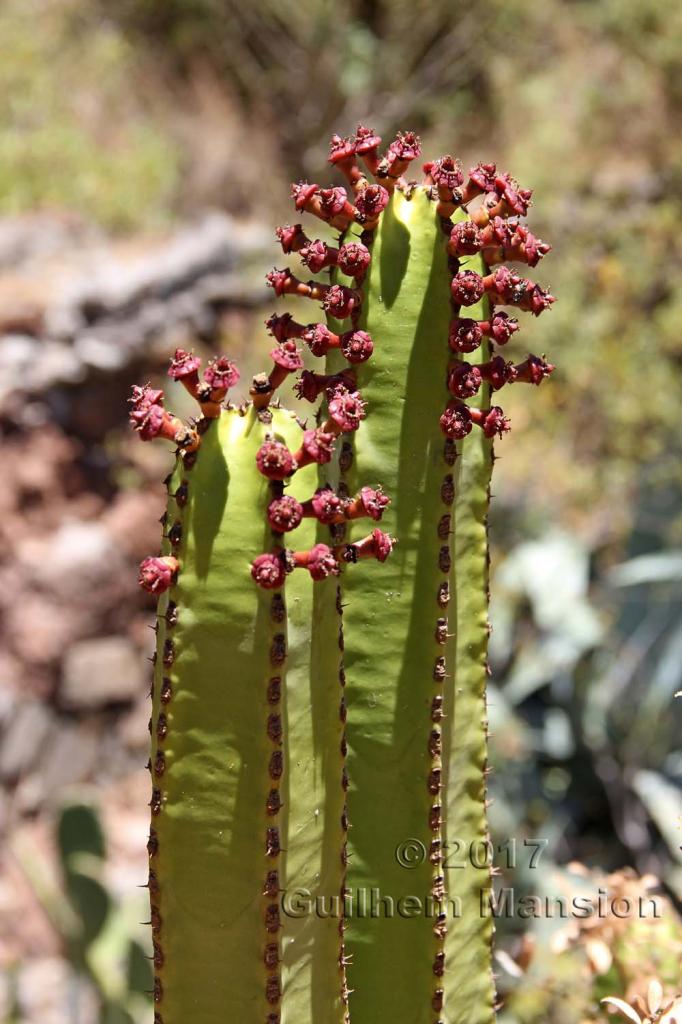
x,y
405,148
465,335
497,372
148,416
283,327
341,150
508,240
456,421
533,248
317,446
346,409
184,366
511,289
319,339
268,571
533,370
284,514
292,237
310,385
370,502
340,302
333,201
274,460
367,144
465,239
279,280
221,374
467,288
319,561
329,204
512,198
354,259
357,346
377,545
326,506
317,255
303,193
464,380
158,574
501,328
288,356
370,202
445,173
492,421
481,179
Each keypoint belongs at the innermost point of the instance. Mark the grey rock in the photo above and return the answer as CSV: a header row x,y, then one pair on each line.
x,y
24,738
99,672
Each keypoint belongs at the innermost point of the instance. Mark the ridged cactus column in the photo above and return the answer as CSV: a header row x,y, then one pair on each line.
x,y
419,941
323,733
248,797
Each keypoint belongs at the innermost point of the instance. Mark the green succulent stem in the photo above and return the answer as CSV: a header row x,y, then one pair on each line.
x,y
405,963
218,756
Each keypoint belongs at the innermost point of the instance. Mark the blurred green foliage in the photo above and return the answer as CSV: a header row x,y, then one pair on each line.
x,y
73,132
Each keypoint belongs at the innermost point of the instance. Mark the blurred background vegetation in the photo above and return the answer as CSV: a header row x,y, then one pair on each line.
x,y
146,148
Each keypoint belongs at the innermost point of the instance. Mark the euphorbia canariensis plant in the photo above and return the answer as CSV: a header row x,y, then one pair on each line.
x,y
319,850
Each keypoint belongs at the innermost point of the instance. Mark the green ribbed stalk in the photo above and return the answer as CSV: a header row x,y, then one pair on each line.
x,y
212,750
393,657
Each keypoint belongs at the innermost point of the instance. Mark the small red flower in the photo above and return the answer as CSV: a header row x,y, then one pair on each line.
x,y
497,372
282,327
184,366
327,506
464,380
340,302
533,370
316,255
221,374
456,421
317,446
502,327
371,201
310,386
292,237
274,460
319,339
354,259
320,562
446,173
158,574
278,280
373,502
465,335
514,199
467,288
482,177
377,545
341,150
302,193
366,139
284,514
465,239
367,144
147,414
346,409
357,346
493,421
288,356
268,571
333,200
